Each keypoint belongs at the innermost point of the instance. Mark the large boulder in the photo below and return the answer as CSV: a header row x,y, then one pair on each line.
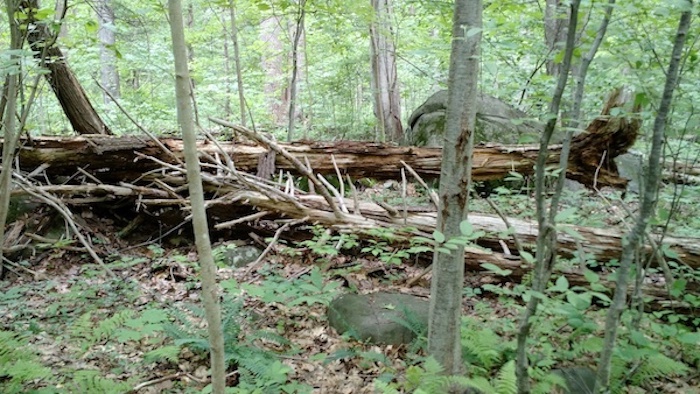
x,y
379,318
496,122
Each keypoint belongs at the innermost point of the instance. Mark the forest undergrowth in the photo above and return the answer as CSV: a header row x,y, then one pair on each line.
x,y
67,326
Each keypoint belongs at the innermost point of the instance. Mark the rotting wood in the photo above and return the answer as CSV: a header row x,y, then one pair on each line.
x,y
118,158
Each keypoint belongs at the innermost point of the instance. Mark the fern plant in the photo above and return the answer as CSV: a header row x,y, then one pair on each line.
x,y
259,370
18,367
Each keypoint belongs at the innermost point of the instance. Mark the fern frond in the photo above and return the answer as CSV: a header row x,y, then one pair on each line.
x,y
89,381
17,365
505,381
170,353
656,366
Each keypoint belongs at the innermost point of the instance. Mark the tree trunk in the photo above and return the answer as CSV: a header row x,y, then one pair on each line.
x,y
273,60
68,90
109,74
444,339
237,61
634,238
10,130
387,105
199,217
546,252
120,156
555,30
298,33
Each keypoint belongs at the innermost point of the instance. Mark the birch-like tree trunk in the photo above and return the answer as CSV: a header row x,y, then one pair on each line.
x,y
387,104
185,117
298,33
272,63
237,62
634,238
455,179
109,74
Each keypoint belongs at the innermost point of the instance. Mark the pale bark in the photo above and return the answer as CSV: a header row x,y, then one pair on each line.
x,y
273,60
237,62
109,74
185,118
635,237
555,31
298,33
546,252
387,104
444,341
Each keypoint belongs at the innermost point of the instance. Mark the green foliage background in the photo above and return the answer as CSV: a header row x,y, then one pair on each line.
x,y
334,91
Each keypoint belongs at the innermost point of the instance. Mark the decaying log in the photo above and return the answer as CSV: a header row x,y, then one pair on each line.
x,y
113,159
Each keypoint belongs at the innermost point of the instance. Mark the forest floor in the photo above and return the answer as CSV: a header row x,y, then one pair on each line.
x,y
141,330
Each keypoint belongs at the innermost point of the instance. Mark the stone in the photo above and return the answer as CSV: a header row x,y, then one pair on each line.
x,y
579,380
380,318
239,256
496,122
631,166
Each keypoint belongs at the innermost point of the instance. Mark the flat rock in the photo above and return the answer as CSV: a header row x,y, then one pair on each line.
x,y
380,318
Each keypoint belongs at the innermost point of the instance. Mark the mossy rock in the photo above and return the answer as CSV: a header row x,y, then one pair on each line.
x,y
496,122
380,318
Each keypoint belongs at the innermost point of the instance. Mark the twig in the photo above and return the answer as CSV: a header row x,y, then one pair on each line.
x,y
503,217
132,120
335,192
355,199
404,186
255,265
340,177
243,219
431,193
67,216
297,164
158,380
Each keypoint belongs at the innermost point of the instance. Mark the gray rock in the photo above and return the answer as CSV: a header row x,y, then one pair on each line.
x,y
580,380
631,166
496,122
239,256
379,318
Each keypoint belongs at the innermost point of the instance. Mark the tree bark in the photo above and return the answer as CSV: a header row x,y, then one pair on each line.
x,y
109,74
444,339
185,117
546,252
635,237
10,130
298,33
237,62
555,30
70,94
387,105
119,157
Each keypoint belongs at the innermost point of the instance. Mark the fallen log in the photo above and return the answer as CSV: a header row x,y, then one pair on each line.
x,y
112,159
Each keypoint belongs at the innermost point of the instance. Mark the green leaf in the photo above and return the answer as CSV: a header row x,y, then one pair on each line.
x,y
591,276
567,213
438,237
561,285
465,227
690,338
579,301
528,257
494,269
